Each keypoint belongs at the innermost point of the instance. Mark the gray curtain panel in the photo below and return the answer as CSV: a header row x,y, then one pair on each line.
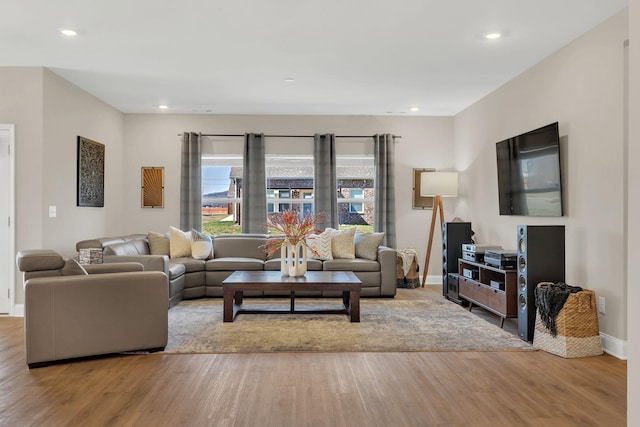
x,y
191,183
324,179
254,184
384,217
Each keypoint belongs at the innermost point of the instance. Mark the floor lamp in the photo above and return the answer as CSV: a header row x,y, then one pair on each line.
x,y
437,185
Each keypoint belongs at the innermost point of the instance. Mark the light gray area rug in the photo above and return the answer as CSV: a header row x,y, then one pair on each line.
x,y
196,326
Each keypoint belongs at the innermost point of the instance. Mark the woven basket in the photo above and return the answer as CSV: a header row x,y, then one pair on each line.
x,y
578,333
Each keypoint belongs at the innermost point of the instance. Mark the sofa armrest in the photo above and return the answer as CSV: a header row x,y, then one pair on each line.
x,y
113,267
149,262
387,259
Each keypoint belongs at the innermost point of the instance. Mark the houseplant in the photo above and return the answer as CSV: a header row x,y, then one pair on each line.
x,y
290,230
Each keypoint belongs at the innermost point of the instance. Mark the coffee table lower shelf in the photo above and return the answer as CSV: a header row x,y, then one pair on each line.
x,y
240,281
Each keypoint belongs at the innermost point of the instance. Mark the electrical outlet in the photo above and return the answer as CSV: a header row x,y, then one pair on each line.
x,y
601,305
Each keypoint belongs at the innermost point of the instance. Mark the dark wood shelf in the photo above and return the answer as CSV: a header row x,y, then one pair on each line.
x,y
492,288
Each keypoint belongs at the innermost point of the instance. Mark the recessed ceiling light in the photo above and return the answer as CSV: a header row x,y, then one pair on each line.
x,y
289,80
68,32
414,109
492,35
163,107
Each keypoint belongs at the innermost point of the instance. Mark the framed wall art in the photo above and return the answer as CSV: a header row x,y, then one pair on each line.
x,y
152,187
420,202
90,178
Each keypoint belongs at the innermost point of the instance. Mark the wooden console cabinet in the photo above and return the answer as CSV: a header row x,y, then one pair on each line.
x,y
491,288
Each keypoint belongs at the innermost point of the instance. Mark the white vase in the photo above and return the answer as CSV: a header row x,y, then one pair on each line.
x,y
293,259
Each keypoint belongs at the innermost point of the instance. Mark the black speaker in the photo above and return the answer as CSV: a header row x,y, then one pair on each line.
x,y
454,234
540,259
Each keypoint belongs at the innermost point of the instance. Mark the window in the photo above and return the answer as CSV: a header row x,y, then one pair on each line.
x,y
355,192
289,178
221,195
274,198
289,168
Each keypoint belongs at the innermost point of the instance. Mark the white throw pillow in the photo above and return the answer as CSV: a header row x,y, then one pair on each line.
x,y
201,245
179,243
342,243
367,245
322,244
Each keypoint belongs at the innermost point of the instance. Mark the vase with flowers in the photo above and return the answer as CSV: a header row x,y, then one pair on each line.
x,y
291,230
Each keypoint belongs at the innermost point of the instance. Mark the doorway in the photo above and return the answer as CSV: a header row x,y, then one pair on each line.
x,y
7,226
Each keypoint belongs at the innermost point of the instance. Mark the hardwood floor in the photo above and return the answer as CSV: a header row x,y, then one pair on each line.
x,y
316,389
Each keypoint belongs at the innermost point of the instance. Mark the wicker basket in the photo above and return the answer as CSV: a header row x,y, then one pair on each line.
x,y
578,333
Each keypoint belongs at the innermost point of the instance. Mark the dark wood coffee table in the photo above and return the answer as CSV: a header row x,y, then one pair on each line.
x,y
240,281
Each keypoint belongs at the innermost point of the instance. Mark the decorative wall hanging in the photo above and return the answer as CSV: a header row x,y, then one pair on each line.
x,y
152,187
90,180
420,202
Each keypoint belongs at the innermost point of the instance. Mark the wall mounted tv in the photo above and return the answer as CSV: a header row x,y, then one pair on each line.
x,y
529,179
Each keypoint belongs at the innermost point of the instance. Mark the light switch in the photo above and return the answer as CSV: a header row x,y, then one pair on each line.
x,y
52,211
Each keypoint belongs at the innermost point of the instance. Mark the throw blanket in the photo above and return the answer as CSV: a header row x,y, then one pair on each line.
x,y
550,298
407,255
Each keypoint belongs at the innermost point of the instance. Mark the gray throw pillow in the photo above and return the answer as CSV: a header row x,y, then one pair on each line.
x,y
367,244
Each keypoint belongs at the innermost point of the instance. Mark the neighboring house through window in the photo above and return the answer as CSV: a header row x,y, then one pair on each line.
x,y
289,169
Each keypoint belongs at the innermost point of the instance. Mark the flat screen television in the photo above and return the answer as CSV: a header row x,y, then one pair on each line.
x,y
529,179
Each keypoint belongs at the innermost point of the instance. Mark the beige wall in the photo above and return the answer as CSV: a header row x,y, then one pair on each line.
x,y
69,112
49,114
633,290
152,140
581,87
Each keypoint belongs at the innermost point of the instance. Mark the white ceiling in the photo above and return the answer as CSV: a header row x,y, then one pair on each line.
x,y
363,57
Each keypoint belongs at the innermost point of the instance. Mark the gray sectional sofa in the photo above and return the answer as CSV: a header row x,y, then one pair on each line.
x,y
193,278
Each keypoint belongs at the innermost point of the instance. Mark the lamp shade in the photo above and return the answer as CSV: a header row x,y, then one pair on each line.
x,y
443,184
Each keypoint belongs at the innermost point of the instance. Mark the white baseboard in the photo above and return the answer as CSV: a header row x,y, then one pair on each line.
x,y
18,310
433,280
614,346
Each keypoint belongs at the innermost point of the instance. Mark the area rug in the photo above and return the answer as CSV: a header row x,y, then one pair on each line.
x,y
196,326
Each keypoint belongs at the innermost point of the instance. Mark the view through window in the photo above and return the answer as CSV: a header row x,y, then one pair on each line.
x,y
289,180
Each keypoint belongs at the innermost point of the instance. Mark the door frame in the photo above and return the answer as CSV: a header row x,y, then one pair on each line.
x,y
12,223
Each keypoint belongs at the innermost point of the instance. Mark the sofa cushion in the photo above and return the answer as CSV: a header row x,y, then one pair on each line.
x,y
130,248
179,243
241,246
234,263
342,243
190,264
367,244
201,245
72,268
322,244
357,264
158,243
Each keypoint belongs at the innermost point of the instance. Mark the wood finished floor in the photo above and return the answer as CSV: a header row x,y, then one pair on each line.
x,y
317,389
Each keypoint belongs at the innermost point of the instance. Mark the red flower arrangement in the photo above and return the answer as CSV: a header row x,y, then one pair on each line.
x,y
294,227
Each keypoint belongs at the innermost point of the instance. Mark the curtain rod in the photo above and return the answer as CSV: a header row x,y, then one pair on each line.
x,y
288,136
